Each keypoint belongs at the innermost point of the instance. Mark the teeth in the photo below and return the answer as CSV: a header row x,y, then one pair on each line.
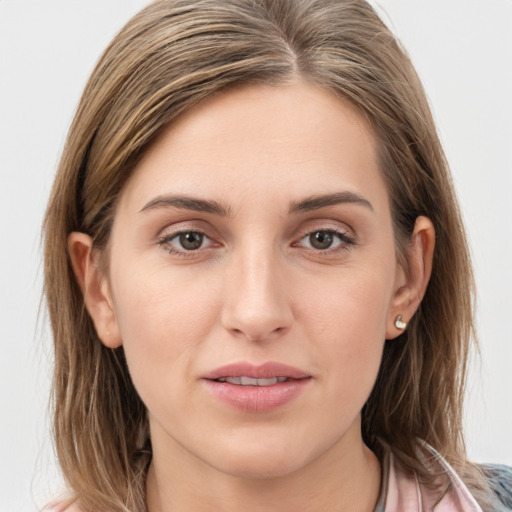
x,y
249,381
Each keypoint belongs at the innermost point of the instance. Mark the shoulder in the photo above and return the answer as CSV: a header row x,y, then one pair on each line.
x,y
447,492
62,506
499,479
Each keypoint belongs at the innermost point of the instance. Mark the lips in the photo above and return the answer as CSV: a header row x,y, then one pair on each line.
x,y
249,381
253,388
268,370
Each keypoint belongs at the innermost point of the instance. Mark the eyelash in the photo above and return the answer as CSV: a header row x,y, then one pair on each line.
x,y
345,240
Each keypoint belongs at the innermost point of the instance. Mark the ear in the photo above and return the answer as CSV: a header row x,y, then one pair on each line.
x,y
95,287
411,282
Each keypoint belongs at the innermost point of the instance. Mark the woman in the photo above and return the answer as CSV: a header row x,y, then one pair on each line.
x,y
240,271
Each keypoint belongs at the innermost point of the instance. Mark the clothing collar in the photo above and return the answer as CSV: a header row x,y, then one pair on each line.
x,y
401,490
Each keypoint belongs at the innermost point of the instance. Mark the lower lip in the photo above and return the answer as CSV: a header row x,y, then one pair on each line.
x,y
257,398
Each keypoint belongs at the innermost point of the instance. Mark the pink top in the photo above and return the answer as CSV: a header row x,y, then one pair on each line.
x,y
402,491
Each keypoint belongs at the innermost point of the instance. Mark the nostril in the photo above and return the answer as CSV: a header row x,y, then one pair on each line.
x,y
262,335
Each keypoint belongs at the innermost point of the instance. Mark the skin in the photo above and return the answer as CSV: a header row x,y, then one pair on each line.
x,y
256,290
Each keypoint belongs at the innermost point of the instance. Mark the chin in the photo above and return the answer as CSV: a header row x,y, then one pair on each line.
x,y
258,469
261,459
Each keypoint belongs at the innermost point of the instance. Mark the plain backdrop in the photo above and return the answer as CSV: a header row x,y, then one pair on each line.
x,y
463,52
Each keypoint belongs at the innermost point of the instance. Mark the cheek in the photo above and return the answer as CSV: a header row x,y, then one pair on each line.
x,y
347,319
163,316
350,305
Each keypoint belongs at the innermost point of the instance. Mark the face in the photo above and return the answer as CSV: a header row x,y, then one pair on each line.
x,y
252,276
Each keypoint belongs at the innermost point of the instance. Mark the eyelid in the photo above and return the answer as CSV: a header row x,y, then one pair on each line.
x,y
333,226
185,226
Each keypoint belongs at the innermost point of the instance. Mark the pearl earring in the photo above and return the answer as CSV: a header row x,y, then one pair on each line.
x,y
399,323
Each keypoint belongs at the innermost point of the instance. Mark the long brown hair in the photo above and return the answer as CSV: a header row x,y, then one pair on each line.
x,y
166,59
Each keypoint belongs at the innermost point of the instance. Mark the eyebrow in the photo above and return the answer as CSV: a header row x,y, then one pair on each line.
x,y
321,201
216,208
188,203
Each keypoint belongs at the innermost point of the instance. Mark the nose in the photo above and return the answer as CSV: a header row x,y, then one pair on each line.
x,y
256,305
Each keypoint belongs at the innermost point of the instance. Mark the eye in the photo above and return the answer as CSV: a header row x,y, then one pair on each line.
x,y
190,241
323,240
185,241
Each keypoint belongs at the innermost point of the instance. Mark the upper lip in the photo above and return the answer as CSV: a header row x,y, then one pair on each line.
x,y
264,371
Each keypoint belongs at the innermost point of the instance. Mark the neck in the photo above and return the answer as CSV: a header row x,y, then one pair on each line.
x,y
346,479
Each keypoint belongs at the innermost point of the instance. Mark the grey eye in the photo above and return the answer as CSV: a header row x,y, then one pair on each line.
x,y
324,240
321,239
191,240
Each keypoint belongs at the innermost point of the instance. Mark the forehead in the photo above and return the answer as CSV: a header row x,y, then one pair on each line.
x,y
262,141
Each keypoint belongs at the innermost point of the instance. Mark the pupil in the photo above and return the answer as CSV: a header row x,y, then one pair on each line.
x,y
191,240
321,239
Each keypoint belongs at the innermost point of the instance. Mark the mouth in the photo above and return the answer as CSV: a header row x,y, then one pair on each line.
x,y
249,381
254,388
